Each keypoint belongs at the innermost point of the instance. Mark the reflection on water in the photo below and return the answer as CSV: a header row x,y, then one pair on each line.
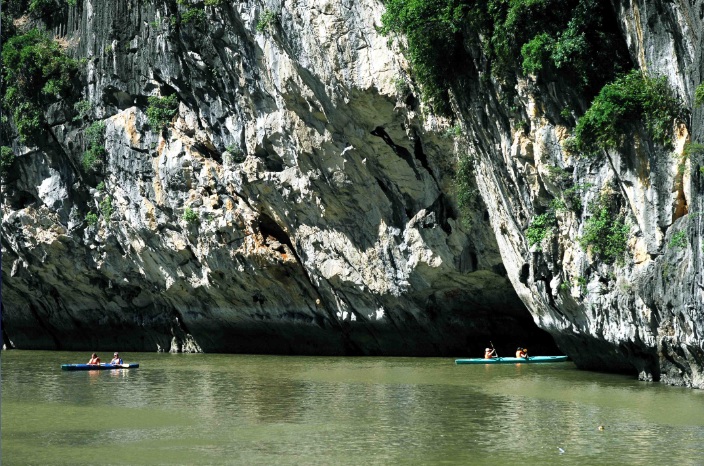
x,y
232,409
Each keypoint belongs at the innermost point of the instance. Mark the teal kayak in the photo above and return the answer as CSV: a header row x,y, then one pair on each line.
x,y
530,359
95,367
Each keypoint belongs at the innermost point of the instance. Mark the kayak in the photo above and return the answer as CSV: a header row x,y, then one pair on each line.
x,y
94,367
530,359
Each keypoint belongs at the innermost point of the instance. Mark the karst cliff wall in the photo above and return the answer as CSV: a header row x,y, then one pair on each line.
x,y
644,313
324,215
302,199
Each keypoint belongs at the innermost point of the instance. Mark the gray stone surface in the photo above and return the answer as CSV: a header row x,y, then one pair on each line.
x,y
326,221
645,315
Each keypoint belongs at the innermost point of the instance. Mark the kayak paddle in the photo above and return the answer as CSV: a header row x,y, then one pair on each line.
x,y
496,353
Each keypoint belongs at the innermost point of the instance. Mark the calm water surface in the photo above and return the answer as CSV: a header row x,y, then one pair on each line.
x,y
268,410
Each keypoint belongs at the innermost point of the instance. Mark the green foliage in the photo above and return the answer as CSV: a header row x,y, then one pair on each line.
x,y
571,146
29,119
7,158
679,239
433,29
190,215
518,22
47,6
558,205
36,5
90,160
581,282
83,109
95,133
8,27
106,207
101,186
605,232
401,86
161,111
465,189
631,99
453,131
699,94
666,270
693,151
94,138
576,39
536,53
540,227
523,125
194,16
572,197
266,21
560,177
681,167
41,7
37,73
92,218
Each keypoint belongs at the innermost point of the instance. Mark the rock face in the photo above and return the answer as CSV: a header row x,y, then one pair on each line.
x,y
295,204
644,315
301,202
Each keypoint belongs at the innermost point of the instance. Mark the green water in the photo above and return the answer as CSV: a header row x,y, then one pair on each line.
x,y
233,409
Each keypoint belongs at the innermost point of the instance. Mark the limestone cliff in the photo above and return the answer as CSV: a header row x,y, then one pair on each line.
x,y
301,199
644,313
294,203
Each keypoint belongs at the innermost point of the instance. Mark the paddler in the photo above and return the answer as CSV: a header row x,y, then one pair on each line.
x,y
94,360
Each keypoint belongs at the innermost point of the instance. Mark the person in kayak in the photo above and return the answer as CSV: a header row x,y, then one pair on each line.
x,y
489,353
522,353
94,360
116,359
